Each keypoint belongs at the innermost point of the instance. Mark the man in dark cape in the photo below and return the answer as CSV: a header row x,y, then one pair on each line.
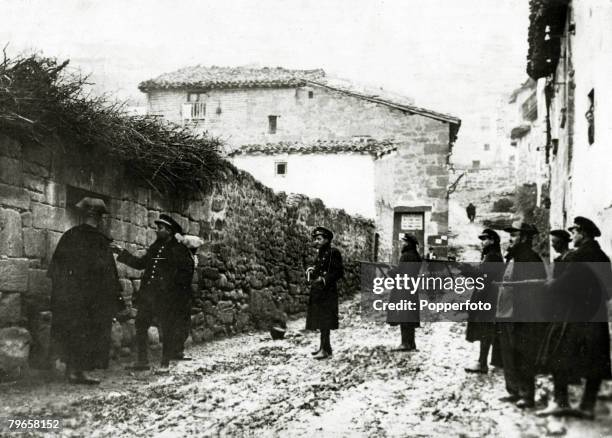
x,y
519,336
165,291
86,294
409,264
577,342
323,301
481,323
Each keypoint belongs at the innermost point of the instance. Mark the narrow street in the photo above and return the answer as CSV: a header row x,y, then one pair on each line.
x,y
250,385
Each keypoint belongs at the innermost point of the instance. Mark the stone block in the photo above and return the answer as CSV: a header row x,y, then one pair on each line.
x,y
137,235
436,170
436,193
26,219
52,218
37,153
194,228
53,237
40,352
10,171
14,275
15,345
10,309
434,148
55,194
151,236
11,238
139,214
118,230
152,216
16,197
9,147
35,169
39,285
218,204
199,210
34,183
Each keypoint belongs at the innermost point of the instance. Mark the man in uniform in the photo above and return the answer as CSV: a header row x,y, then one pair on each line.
x,y
481,323
165,288
323,302
519,339
86,294
408,320
577,343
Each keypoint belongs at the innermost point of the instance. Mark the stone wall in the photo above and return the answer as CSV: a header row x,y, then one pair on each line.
x,y
251,265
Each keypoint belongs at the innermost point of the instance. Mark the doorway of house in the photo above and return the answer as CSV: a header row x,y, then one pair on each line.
x,y
412,222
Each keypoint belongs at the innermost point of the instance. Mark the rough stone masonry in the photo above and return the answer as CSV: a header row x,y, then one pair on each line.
x,y
250,267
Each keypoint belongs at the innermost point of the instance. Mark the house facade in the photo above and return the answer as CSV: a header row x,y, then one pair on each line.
x,y
527,132
569,55
296,131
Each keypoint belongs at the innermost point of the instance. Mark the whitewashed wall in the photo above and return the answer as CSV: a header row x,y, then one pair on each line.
x,y
341,181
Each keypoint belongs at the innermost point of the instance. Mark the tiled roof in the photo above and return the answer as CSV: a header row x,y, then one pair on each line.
x,y
202,77
362,146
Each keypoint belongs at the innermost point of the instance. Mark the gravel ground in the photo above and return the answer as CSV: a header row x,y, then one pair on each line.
x,y
250,385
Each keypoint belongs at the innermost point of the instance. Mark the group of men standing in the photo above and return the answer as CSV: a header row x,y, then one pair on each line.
x,y
542,325
86,293
537,324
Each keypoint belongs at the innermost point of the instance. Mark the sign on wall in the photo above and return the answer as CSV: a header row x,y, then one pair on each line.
x,y
411,221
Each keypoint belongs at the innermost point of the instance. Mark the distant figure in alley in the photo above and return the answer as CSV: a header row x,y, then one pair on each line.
x,y
471,212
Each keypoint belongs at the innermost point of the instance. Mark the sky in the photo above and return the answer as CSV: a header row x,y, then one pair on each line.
x,y
443,53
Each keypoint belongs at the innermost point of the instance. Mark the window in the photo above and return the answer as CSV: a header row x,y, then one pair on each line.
x,y
310,94
487,147
195,108
280,168
590,116
272,124
476,164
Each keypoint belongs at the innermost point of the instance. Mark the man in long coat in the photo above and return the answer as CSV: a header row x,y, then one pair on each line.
x,y
323,301
577,343
519,338
481,323
86,294
409,264
164,292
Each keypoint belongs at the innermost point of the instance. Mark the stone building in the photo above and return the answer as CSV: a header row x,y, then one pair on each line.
x,y
569,55
297,131
527,132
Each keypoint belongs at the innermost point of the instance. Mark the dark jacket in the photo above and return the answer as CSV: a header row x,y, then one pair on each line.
x,y
86,295
521,302
409,264
323,300
168,271
481,325
577,345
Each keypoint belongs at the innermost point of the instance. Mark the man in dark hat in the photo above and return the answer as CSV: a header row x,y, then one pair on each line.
x,y
409,264
519,340
86,294
481,323
577,344
323,302
165,287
